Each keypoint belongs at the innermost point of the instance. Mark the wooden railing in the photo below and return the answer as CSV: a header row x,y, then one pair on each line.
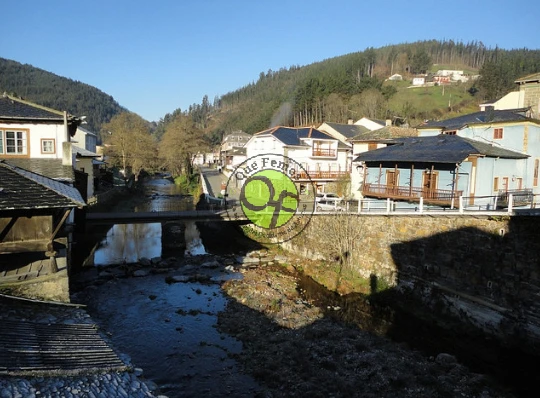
x,y
324,152
320,175
435,196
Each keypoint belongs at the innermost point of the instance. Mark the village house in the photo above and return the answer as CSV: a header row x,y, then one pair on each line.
x,y
229,155
324,159
527,96
512,130
43,140
439,169
366,141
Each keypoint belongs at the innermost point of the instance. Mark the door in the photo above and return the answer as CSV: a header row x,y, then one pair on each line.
x,y
392,178
429,184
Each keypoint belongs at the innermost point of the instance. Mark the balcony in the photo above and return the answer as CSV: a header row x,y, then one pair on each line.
x,y
442,197
320,175
323,153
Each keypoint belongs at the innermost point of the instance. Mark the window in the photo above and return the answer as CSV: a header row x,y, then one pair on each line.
x,y
450,132
372,146
13,142
498,134
496,184
505,184
47,145
519,183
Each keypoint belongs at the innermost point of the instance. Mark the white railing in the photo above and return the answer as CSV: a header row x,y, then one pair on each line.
x,y
462,205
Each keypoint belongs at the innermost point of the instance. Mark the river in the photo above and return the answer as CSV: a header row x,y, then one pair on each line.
x,y
171,329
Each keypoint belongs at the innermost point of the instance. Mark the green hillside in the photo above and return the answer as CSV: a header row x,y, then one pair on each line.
x,y
354,85
60,93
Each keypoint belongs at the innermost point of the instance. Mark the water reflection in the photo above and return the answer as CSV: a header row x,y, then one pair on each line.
x,y
194,245
127,243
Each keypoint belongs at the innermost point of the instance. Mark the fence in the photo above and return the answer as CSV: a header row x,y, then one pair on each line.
x,y
525,202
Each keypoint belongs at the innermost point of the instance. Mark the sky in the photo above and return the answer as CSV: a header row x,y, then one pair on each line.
x,y
156,56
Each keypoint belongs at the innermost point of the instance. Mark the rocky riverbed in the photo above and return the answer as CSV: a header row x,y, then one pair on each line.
x,y
294,350
288,345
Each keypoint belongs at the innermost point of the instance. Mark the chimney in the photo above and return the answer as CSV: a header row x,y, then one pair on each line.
x,y
388,122
350,121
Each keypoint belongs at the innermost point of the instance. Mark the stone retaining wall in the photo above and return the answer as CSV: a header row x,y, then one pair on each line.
x,y
483,270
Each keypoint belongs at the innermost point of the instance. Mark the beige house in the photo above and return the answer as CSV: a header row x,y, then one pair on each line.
x,y
528,95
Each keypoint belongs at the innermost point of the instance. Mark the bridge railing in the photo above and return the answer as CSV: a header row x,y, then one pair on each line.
x,y
521,203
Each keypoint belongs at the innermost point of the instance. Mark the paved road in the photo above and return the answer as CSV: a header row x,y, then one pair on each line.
x,y
215,180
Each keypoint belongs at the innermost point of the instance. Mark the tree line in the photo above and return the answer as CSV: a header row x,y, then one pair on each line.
x,y
56,92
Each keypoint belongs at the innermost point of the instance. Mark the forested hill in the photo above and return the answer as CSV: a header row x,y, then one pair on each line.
x,y
353,85
60,93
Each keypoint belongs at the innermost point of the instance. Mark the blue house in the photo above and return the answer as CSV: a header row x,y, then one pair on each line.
x,y
511,129
439,169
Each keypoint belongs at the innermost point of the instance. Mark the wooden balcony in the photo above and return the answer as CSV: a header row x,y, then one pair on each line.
x,y
442,197
323,152
320,175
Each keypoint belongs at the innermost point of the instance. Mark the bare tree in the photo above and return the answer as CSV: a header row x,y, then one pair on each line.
x,y
180,144
129,144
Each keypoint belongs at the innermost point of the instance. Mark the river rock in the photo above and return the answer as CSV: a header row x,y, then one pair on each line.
x,y
179,278
156,260
141,272
211,264
446,359
247,260
145,262
281,258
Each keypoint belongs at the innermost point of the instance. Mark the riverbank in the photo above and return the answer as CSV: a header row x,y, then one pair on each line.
x,y
290,345
294,348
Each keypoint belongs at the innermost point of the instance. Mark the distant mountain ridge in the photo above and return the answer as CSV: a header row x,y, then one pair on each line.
x,y
57,92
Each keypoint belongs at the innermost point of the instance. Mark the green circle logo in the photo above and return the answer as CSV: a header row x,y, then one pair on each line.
x,y
269,199
274,193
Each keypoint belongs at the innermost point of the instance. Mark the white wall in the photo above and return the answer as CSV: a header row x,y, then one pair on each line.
x,y
35,133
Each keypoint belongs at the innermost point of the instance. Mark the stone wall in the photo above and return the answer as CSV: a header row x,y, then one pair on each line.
x,y
483,270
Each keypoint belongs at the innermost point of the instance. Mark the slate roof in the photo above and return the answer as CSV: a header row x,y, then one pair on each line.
x,y
293,136
535,77
384,133
436,149
24,190
482,117
51,168
85,153
348,130
12,108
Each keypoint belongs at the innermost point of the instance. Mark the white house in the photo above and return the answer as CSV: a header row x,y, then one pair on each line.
x,y
323,158
419,80
41,139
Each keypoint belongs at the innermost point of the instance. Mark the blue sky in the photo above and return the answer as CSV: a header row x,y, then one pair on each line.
x,y
156,56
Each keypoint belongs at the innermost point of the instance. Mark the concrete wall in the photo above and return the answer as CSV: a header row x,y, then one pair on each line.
x,y
484,271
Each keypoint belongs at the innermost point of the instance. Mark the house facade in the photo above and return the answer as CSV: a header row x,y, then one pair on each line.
x,y
527,96
231,142
48,141
440,169
369,141
513,130
324,159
